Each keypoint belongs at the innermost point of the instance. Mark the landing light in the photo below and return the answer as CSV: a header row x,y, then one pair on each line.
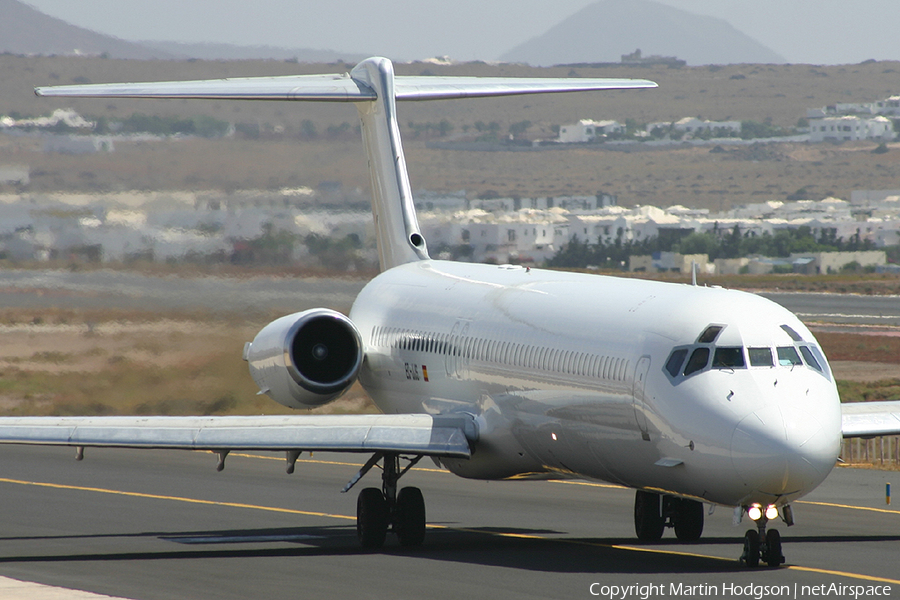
x,y
754,512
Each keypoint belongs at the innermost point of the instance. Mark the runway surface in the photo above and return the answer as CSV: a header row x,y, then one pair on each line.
x,y
845,309
152,525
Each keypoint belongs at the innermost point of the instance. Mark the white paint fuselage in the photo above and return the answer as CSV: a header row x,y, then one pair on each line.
x,y
566,376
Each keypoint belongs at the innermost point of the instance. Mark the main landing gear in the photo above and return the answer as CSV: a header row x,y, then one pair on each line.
x,y
381,510
654,512
761,544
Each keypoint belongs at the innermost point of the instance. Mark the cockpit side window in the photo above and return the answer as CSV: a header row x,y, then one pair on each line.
x,y
809,358
676,359
788,357
728,358
697,361
760,357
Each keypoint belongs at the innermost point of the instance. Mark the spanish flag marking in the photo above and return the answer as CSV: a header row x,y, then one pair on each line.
x,y
425,373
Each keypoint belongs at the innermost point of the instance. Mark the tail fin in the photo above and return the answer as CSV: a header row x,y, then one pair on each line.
x,y
374,88
396,226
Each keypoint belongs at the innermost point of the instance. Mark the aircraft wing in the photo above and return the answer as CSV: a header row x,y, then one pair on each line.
x,y
338,88
870,419
447,436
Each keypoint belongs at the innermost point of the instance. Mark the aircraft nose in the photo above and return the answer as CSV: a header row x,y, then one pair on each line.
x,y
781,450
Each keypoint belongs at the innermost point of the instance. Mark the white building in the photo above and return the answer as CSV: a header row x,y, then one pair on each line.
x,y
585,131
888,106
850,128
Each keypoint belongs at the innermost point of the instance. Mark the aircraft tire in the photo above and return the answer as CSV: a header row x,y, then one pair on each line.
x,y
773,557
648,520
750,557
688,520
371,518
409,522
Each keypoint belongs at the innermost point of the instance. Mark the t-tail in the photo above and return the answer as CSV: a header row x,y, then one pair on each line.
x,y
374,88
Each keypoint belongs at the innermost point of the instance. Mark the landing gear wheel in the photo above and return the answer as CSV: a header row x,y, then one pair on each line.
x,y
409,519
648,520
773,555
750,557
688,520
371,518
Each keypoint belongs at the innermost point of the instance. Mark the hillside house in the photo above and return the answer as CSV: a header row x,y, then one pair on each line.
x,y
849,128
587,131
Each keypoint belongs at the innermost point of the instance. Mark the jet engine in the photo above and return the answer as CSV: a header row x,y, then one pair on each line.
x,y
306,359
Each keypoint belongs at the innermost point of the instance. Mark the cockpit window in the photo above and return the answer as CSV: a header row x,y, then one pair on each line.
x,y
697,361
676,359
794,335
709,334
728,358
760,357
788,357
809,358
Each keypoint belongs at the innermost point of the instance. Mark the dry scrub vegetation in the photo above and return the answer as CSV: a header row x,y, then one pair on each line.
x,y
73,363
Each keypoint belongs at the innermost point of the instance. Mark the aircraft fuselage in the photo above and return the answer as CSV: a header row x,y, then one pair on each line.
x,y
579,375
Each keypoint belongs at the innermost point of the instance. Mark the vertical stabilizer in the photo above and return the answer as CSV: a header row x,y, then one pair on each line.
x,y
397,230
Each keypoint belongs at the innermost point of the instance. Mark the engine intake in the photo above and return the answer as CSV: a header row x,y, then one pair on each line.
x,y
306,359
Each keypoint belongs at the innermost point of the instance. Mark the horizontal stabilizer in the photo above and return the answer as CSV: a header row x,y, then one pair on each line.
x,y
869,419
339,88
447,436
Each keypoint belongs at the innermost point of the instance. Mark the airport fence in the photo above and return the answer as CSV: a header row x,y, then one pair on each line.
x,y
882,451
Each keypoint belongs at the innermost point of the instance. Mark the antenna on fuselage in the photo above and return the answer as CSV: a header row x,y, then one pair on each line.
x,y
694,272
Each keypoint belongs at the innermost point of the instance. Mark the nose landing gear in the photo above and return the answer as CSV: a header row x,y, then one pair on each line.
x,y
762,544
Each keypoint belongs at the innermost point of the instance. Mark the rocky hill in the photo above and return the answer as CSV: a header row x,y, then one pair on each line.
x,y
25,30
605,30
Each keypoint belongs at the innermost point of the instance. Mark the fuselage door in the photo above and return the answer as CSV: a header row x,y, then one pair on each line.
x,y
640,386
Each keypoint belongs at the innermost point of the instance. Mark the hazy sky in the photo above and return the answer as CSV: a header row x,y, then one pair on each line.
x,y
803,31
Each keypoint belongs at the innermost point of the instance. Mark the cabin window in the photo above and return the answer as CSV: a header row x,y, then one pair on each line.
x,y
809,358
788,357
728,358
676,359
760,357
709,334
697,361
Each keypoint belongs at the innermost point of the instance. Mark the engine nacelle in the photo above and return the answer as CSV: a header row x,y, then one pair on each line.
x,y
306,359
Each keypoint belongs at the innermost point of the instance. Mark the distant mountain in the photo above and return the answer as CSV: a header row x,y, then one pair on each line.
x,y
25,30
208,51
604,31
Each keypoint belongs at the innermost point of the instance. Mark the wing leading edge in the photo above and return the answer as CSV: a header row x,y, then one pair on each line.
x,y
870,419
446,436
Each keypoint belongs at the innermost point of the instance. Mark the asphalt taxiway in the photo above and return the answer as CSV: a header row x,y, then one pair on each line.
x,y
153,525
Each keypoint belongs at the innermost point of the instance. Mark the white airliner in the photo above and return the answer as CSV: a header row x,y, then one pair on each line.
x,y
690,395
